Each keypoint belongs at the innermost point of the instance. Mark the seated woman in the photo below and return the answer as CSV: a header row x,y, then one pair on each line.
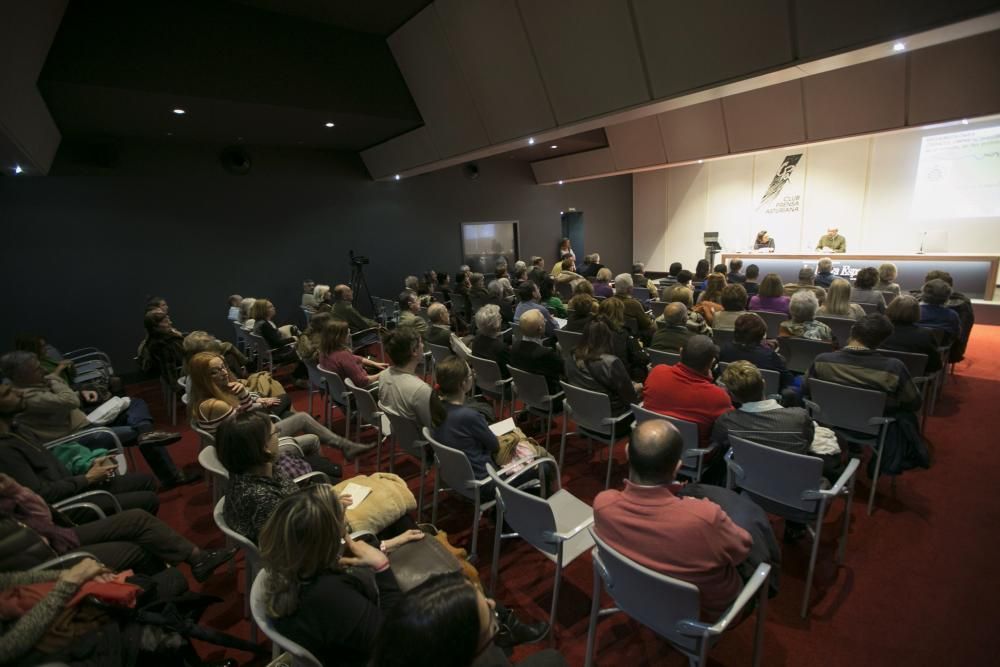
x,y
838,302
246,313
864,289
710,301
887,279
215,398
771,295
695,321
550,299
335,355
626,346
454,624
602,284
594,366
264,326
323,298
803,324
487,343
904,313
748,345
326,591
581,309
307,345
734,303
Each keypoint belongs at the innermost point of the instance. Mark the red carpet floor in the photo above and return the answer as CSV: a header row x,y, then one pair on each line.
x,y
919,585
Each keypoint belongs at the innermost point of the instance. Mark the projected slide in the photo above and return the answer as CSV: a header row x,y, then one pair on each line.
x,y
958,175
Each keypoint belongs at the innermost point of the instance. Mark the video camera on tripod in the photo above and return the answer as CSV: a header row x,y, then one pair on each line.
x,y
358,260
359,286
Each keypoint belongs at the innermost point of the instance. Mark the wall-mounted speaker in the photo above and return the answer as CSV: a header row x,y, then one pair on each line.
x,y
236,160
471,170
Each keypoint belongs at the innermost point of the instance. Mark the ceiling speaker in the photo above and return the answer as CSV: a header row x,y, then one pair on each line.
x,y
236,160
471,170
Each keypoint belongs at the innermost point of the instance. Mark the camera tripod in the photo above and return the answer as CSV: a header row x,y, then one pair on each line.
x,y
359,286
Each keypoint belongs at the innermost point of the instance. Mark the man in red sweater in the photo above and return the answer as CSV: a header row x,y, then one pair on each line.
x,y
686,390
687,538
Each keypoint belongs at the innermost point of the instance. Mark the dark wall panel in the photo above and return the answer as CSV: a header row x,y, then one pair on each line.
x,y
955,80
763,118
84,247
855,100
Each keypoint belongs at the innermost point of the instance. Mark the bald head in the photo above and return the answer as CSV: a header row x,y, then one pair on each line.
x,y
532,324
437,313
342,292
654,452
675,314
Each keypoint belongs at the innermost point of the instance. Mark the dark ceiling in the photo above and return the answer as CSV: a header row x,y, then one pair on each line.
x,y
260,72
574,143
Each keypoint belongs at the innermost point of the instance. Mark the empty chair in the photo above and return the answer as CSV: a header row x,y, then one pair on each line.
x,y
406,436
772,379
799,353
857,415
591,410
533,390
208,458
251,558
368,413
358,340
791,486
568,340
556,526
772,320
300,656
657,307
657,357
916,365
641,294
669,607
337,392
840,326
490,381
693,456
722,336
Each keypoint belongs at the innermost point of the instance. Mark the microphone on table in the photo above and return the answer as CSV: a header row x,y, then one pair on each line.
x,y
922,239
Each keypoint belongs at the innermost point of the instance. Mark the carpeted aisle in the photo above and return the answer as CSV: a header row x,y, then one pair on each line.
x,y
918,587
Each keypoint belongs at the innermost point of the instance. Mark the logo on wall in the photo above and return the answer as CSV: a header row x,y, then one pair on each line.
x,y
772,201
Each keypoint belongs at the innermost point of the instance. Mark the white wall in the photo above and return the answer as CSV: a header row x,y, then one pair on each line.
x,y
864,186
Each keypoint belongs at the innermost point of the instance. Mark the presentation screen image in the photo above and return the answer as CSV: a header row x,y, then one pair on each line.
x,y
484,243
958,175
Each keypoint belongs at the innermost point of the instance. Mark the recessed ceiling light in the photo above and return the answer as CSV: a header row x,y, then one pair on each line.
x,y
179,111
330,124
553,146
531,141
397,177
170,134
899,46
17,169
965,121
700,161
560,182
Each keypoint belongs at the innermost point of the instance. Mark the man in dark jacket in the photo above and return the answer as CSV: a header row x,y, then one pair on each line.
x,y
531,356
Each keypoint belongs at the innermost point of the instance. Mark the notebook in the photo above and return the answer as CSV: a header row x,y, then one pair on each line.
x,y
357,493
502,427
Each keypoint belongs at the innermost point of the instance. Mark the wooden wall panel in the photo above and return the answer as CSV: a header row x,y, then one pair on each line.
x,y
855,100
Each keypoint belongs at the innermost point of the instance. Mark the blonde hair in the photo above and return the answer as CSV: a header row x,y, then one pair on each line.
x,y
302,539
203,387
320,292
744,381
887,272
260,307
604,275
838,297
246,308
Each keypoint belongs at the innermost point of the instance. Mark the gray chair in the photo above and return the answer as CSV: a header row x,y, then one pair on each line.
x,y
533,390
556,526
692,457
916,365
841,327
791,486
857,415
240,336
641,294
799,353
317,384
208,458
722,336
870,308
657,357
438,354
122,455
591,410
251,558
362,338
773,321
568,340
657,307
490,381
407,437
772,379
454,469
265,355
888,297
669,607
300,656
368,414
337,393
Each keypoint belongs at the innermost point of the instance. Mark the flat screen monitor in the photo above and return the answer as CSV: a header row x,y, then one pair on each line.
x,y
485,243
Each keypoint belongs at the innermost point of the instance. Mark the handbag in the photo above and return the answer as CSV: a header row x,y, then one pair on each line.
x,y
416,562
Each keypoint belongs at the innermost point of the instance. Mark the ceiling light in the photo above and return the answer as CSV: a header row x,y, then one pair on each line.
x,y
899,46
397,177
17,169
329,124
179,111
561,213
531,141
560,182
700,161
553,146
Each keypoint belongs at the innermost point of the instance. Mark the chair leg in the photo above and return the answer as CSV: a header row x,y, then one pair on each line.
x,y
555,591
548,430
497,535
758,639
878,470
434,501
842,547
420,494
611,460
476,515
562,440
595,608
812,563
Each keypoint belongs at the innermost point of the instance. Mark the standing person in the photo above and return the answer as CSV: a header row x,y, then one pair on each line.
x,y
832,241
565,248
763,241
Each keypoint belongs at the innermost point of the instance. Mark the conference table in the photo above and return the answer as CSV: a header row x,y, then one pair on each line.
x,y
973,274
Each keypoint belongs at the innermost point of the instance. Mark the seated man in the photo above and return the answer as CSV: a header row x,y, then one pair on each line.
x,y
308,300
832,241
934,310
400,389
639,279
690,539
343,309
591,265
440,333
537,270
671,278
531,355
806,282
673,333
962,306
530,300
51,410
686,390
824,273
734,276
409,307
750,283
634,309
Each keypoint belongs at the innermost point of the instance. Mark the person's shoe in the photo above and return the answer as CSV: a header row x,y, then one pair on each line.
x,y
203,568
301,383
159,438
354,449
513,631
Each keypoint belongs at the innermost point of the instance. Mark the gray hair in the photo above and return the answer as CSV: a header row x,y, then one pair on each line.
x,y
464,268
802,306
320,292
675,314
411,283
623,283
825,264
807,275
519,266
495,289
488,320
12,363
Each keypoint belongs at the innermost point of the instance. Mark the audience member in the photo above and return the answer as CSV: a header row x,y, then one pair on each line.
x,y
934,310
440,333
686,390
580,310
864,288
806,282
673,333
246,313
343,309
734,275
202,341
477,290
602,285
591,265
501,283
409,317
720,269
323,298
307,345
334,354
639,279
962,306
530,354
671,278
750,284
904,313
400,389
488,344
824,273
838,302
308,294
625,346
594,366
887,279
771,295
537,269
264,326
709,303
695,321
528,292
633,309
549,299
567,273
684,278
734,303
803,324
687,538
748,345
701,271
234,307
164,345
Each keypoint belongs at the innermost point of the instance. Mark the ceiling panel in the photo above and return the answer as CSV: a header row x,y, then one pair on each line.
x,y
438,87
692,45
574,143
551,171
588,55
955,80
636,144
771,116
855,100
694,132
590,163
495,55
405,151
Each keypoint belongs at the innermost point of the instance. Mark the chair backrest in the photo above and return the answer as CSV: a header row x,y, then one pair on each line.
x,y
530,516
916,363
258,607
208,458
722,336
869,308
316,379
568,340
249,548
799,353
843,406
772,320
365,403
336,388
641,294
657,357
772,379
657,307
407,433
263,350
657,601
589,408
488,377
776,475
840,326
688,430
888,297
565,291
439,352
453,467
531,388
